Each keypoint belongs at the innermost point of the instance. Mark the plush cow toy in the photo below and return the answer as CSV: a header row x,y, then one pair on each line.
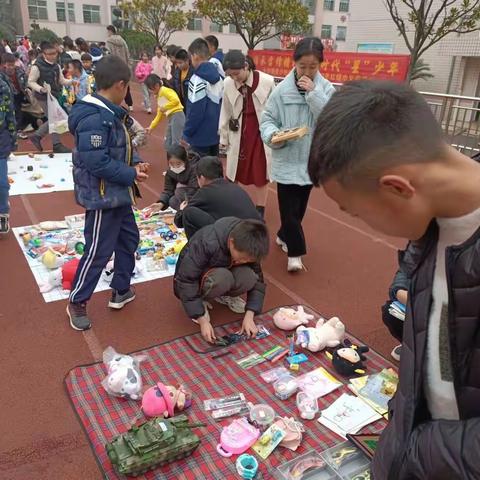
x,y
347,359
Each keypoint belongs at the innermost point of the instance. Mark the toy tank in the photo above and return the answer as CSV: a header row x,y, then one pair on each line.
x,y
153,444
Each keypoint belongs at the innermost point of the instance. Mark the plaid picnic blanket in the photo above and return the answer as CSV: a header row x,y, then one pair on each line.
x,y
187,360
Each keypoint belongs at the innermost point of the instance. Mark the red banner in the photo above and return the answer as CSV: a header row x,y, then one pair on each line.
x,y
338,67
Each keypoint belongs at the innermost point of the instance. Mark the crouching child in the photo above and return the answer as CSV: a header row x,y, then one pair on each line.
x,y
221,262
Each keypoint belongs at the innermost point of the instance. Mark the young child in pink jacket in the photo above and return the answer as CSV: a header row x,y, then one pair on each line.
x,y
142,71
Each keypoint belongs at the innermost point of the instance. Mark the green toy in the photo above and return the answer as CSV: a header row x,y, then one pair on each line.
x,y
153,444
80,248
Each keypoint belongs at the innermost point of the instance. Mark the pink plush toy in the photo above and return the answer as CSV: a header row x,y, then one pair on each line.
x,y
163,400
289,318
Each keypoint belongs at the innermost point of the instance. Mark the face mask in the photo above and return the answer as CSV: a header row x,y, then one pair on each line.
x,y
177,170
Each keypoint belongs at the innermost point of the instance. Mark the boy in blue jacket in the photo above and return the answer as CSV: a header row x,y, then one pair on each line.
x,y
8,143
105,185
205,92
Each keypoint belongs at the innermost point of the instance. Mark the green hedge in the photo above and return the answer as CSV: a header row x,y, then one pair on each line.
x,y
138,42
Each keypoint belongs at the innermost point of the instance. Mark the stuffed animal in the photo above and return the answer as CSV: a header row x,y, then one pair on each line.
x,y
289,318
164,400
324,334
123,379
347,359
61,277
107,274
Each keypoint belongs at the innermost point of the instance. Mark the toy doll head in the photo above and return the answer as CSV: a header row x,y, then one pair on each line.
x,y
162,400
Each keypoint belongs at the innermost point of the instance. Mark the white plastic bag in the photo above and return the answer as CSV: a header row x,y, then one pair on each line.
x,y
57,117
124,378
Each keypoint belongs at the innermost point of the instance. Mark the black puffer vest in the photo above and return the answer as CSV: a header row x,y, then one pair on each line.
x,y
409,409
49,73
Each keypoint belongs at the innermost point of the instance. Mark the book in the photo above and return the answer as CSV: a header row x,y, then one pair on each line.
x,y
348,414
318,382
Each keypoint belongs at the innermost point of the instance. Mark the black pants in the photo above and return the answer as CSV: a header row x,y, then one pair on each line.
x,y
211,151
106,232
394,324
194,219
128,98
293,201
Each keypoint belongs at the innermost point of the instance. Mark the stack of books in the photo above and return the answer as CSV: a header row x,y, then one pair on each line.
x,y
398,310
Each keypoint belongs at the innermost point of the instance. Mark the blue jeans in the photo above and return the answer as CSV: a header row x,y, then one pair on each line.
x,y
4,187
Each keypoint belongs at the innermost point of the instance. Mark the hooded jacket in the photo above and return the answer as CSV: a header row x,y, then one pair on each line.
x,y
205,91
118,46
413,446
96,53
208,249
102,159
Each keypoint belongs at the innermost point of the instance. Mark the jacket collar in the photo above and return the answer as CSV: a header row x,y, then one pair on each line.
x,y
102,102
261,92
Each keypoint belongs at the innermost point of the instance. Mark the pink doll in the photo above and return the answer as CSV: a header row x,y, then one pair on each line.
x,y
163,400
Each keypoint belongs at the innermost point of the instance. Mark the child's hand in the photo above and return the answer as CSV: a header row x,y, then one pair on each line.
x,y
148,130
184,144
402,296
141,176
248,326
144,166
154,208
183,205
206,328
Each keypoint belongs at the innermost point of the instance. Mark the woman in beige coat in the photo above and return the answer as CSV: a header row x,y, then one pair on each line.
x,y
246,92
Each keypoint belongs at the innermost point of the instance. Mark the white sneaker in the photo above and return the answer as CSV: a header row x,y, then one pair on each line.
x,y
294,264
235,304
282,244
28,129
130,108
149,111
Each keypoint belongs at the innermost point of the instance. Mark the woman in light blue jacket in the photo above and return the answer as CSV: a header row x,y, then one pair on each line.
x,y
296,102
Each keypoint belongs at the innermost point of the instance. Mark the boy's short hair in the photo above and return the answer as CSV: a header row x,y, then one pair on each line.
x,y
182,54
251,237
172,50
77,64
199,47
110,70
7,58
210,167
368,126
152,80
212,40
44,46
86,57
112,29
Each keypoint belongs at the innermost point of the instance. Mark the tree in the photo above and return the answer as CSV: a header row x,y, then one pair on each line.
x,y
39,35
138,42
158,18
420,71
257,20
426,22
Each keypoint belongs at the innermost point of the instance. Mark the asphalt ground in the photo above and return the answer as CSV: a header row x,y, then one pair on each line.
x,y
349,270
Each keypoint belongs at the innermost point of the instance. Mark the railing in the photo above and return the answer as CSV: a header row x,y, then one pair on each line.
x,y
459,117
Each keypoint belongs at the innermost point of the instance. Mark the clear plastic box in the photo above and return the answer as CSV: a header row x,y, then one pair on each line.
x,y
362,473
345,459
309,466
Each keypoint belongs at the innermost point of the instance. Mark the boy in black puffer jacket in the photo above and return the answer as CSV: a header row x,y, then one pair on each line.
x,y
221,262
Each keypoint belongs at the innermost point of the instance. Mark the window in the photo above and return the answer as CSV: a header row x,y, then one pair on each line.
x,y
232,28
61,12
37,9
215,27
341,34
91,14
329,5
344,6
326,31
195,24
310,5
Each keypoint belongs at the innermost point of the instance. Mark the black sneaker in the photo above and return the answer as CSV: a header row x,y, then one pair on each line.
x,y
61,148
37,142
77,313
396,352
119,301
4,224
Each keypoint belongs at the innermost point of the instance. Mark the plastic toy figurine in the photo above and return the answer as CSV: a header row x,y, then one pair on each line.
x,y
164,400
52,259
347,359
61,277
237,438
289,318
123,379
153,444
325,334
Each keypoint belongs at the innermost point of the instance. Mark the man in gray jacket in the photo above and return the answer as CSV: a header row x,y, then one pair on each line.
x,y
380,154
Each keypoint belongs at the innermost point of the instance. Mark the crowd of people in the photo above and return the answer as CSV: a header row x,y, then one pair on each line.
x,y
376,149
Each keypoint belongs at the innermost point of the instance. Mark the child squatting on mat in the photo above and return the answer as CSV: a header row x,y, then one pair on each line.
x,y
221,262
